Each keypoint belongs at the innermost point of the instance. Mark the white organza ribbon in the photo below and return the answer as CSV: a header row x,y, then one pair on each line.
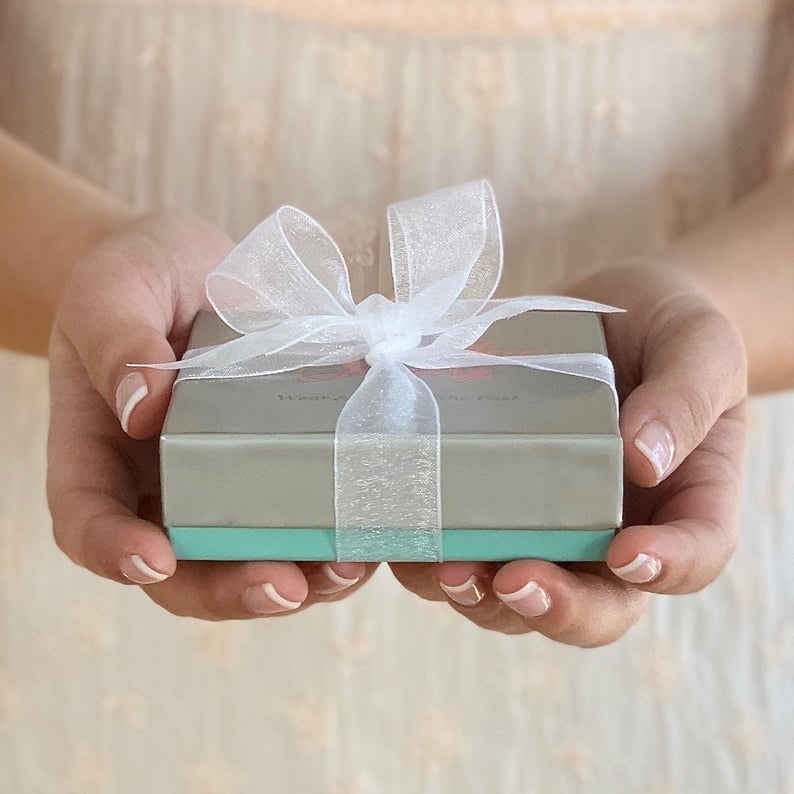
x,y
285,288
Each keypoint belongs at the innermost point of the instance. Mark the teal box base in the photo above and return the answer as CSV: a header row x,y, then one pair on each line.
x,y
238,543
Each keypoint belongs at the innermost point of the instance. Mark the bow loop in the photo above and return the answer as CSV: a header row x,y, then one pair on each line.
x,y
446,251
287,267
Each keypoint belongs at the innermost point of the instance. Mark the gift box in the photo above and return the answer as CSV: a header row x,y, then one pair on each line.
x,y
531,461
441,425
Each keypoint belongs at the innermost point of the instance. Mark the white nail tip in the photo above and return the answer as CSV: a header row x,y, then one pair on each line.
x,y
336,578
632,566
274,596
528,588
649,568
129,407
459,588
148,572
656,444
652,458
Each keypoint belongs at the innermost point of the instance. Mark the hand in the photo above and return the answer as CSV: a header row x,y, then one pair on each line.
x,y
134,299
681,376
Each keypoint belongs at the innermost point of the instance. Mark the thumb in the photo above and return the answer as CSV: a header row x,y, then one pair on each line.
x,y
115,316
693,370
110,340
141,396
124,303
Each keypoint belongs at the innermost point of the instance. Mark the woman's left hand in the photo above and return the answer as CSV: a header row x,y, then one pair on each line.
x,y
682,379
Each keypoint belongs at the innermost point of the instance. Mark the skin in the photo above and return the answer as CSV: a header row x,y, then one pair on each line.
x,y
105,498
126,288
680,363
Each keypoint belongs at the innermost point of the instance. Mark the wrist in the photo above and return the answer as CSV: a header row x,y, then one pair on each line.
x,y
82,231
52,218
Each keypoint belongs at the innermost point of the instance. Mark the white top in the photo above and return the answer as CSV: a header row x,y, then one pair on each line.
x,y
606,129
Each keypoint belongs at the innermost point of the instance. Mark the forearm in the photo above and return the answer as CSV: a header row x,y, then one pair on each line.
x,y
49,218
745,261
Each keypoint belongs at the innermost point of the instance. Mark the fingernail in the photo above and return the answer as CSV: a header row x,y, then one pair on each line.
x,y
129,393
327,581
655,441
531,600
467,594
136,570
642,569
264,599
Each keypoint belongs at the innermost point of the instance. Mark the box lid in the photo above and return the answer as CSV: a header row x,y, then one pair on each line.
x,y
474,400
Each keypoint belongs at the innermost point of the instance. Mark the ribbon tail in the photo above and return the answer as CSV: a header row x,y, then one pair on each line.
x,y
387,487
591,366
286,345
447,244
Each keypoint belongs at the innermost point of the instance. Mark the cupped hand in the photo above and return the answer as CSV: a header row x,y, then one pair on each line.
x,y
681,376
134,299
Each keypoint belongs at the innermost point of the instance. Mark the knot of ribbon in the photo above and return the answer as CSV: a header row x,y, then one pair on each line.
x,y
385,327
285,290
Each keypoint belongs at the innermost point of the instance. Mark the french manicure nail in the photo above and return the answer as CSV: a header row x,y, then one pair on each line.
x,y
265,599
467,594
130,391
642,569
655,441
136,570
333,582
531,600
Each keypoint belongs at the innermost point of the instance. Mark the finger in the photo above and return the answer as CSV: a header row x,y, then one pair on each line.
x,y
214,590
140,396
467,587
693,370
693,530
91,489
126,324
243,590
417,578
93,495
469,590
574,607
329,581
124,305
465,584
569,606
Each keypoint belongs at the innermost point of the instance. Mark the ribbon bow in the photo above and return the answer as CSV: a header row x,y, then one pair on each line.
x,y
285,288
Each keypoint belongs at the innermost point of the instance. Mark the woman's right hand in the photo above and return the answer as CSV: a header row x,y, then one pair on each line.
x,y
134,299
